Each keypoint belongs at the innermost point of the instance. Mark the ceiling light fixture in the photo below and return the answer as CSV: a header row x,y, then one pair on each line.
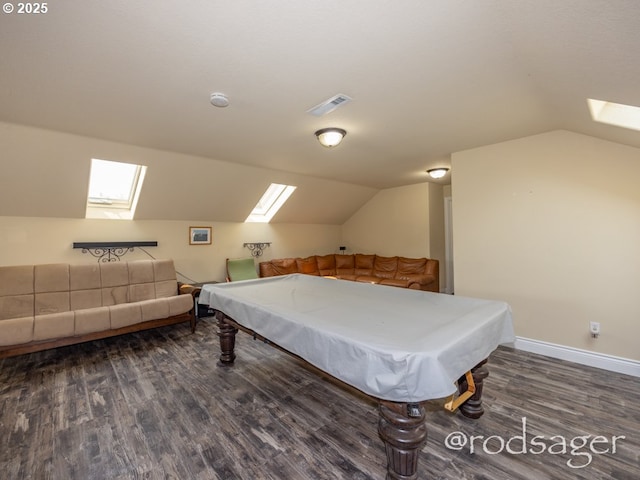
x,y
437,172
330,137
219,100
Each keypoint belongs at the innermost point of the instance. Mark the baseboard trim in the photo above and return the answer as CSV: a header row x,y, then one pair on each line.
x,y
583,357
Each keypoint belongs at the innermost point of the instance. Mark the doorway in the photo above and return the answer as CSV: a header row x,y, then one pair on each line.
x,y
448,245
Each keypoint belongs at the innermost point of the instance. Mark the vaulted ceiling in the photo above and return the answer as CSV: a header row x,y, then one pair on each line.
x,y
427,77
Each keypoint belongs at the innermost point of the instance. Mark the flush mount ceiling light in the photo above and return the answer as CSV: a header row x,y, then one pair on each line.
x,y
437,172
330,137
219,100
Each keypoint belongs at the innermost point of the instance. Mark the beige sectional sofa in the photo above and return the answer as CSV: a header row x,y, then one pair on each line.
x,y
46,306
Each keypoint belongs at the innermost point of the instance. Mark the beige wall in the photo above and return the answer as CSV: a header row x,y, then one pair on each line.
x,y
28,240
394,222
551,224
406,221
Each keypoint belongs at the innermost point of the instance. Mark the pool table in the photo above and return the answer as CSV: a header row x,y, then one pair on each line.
x,y
400,346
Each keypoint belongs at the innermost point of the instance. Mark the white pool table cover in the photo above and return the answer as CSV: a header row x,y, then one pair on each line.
x,y
392,343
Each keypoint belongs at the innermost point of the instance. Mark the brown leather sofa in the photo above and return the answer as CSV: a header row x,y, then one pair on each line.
x,y
415,273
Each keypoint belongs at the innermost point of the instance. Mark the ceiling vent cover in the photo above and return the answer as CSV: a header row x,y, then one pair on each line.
x,y
329,105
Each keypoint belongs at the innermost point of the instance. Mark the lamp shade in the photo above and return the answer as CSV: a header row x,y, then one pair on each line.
x,y
437,172
330,137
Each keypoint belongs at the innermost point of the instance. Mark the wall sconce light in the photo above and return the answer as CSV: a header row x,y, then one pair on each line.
x,y
256,248
330,137
437,172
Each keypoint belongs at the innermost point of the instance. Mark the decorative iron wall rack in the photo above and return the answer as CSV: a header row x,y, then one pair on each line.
x,y
110,251
256,248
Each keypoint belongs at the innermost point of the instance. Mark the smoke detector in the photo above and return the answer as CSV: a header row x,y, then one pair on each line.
x,y
219,100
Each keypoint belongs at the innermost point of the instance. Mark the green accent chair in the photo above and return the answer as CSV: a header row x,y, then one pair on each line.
x,y
241,269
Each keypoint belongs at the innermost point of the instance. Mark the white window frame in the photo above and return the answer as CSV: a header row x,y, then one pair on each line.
x,y
273,198
111,207
617,114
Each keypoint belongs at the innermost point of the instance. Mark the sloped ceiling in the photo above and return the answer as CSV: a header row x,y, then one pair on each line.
x,y
427,78
45,174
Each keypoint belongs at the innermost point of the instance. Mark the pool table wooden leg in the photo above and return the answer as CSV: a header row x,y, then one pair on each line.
x,y
403,430
227,335
472,408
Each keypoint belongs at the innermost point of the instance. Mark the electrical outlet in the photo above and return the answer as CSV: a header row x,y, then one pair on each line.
x,y
594,328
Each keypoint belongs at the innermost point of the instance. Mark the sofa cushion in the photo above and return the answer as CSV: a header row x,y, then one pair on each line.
x,y
125,314
154,309
53,302
55,325
179,304
364,264
265,269
326,264
385,267
51,278
347,276
15,331
285,266
16,280
141,271
368,279
164,270
84,277
166,288
16,306
83,299
307,265
92,320
410,266
115,295
345,264
144,291
395,282
115,274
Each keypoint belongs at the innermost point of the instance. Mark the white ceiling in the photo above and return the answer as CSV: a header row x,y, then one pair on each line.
x,y
427,77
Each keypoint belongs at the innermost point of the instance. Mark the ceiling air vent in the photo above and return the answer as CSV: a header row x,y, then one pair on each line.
x,y
329,105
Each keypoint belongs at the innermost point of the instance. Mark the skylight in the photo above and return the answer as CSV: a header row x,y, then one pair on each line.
x,y
617,114
270,203
114,188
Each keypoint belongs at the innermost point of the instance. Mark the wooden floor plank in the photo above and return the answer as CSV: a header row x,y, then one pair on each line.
x,y
155,405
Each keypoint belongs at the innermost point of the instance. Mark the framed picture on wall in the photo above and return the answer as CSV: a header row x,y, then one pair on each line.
x,y
199,235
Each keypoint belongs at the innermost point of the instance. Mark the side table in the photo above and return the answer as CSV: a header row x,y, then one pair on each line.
x,y
200,309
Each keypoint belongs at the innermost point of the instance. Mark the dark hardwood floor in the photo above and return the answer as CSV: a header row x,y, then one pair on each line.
x,y
154,405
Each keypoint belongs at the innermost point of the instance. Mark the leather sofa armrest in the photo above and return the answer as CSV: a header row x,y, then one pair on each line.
x,y
187,289
432,267
265,269
423,282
